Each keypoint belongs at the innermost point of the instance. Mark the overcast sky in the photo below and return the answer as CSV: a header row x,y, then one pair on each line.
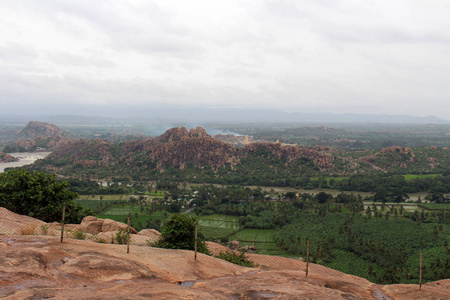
x,y
341,56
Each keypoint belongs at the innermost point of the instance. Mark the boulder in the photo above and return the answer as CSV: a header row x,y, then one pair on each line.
x,y
104,237
95,225
92,224
139,240
151,234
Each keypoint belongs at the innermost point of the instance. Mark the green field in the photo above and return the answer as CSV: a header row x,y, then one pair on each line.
x,y
406,207
121,197
436,206
140,217
415,176
262,239
97,197
216,226
95,205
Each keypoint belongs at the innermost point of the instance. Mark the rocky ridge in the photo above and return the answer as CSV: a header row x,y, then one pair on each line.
x,y
195,149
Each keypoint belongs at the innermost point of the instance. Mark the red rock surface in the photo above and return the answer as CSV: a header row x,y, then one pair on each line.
x,y
40,267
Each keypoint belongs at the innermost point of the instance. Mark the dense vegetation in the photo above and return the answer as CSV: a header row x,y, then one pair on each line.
x,y
39,195
381,244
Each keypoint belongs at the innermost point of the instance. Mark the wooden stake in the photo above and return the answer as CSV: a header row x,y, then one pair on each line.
x,y
196,238
307,258
420,275
128,234
62,222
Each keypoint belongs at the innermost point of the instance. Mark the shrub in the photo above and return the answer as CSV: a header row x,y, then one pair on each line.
x,y
79,235
44,229
179,233
238,258
122,237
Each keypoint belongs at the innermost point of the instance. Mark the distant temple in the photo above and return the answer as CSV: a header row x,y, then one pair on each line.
x,y
246,142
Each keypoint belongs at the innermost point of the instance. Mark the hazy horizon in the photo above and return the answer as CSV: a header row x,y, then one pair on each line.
x,y
203,115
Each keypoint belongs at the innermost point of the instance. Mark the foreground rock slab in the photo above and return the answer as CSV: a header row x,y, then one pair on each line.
x,y
38,267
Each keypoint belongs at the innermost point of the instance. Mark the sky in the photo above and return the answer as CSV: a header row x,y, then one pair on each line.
x,y
322,56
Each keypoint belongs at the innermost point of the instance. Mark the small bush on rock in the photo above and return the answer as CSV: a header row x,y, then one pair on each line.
x,y
179,233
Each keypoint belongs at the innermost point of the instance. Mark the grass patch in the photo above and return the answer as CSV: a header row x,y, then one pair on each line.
x,y
415,176
435,206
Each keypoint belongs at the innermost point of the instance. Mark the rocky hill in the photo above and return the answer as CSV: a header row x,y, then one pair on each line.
x,y
5,157
36,129
194,156
35,265
38,136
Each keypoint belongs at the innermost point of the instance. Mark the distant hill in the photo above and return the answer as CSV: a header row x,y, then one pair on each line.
x,y
38,136
195,156
36,129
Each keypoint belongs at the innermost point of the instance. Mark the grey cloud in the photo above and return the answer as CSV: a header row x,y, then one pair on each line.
x,y
377,34
12,52
69,59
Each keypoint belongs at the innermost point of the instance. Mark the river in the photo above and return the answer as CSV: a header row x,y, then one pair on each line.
x,y
25,158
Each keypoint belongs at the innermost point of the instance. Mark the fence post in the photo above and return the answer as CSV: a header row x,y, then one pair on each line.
x,y
420,274
63,221
307,258
128,234
196,238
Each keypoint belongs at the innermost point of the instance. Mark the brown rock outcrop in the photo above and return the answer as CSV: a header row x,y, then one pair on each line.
x,y
36,129
5,157
95,225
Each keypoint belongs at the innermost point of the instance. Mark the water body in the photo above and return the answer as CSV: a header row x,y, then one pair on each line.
x,y
25,158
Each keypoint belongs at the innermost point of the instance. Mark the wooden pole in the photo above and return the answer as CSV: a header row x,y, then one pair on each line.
x,y
420,275
128,234
307,258
196,239
62,222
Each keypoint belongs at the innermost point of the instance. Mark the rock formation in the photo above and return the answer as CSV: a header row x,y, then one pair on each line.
x,y
39,136
5,157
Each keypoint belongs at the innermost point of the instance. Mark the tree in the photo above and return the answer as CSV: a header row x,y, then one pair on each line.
x,y
39,195
323,197
179,233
